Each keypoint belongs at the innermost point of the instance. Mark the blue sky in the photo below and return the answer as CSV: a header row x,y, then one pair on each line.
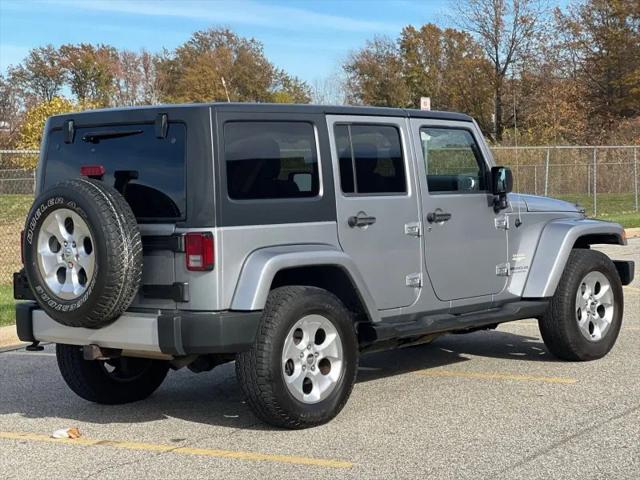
x,y
308,38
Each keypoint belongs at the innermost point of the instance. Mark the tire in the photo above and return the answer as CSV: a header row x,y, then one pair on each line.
x,y
77,226
584,326
261,371
115,382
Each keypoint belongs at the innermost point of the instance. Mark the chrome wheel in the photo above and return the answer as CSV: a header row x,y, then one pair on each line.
x,y
594,306
312,359
66,254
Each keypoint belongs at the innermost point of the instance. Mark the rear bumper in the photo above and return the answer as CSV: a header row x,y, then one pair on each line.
x,y
170,332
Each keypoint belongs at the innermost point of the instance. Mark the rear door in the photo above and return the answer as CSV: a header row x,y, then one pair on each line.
x,y
377,204
465,240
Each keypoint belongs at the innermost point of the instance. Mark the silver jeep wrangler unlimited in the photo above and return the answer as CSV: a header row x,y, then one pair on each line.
x,y
291,239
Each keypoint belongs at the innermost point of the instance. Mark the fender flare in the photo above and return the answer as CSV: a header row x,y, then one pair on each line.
x,y
261,266
554,246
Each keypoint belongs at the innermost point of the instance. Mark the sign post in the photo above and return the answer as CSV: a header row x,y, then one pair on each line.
x,y
425,103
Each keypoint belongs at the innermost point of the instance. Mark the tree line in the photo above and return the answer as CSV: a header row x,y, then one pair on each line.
x,y
526,73
213,65
543,76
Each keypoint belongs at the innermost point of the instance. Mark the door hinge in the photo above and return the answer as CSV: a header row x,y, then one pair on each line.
x,y
503,269
413,229
502,222
414,280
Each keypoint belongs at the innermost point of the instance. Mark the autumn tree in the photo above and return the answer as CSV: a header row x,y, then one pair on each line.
x,y
289,89
506,30
40,75
601,40
448,66
32,126
90,71
374,75
195,71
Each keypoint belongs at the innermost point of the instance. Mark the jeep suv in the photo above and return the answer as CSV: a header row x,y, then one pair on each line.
x,y
292,239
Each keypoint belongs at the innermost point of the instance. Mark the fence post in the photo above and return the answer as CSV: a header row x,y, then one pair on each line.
x,y
546,175
635,176
595,182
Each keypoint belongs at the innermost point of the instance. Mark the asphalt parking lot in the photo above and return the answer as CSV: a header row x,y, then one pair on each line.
x,y
490,404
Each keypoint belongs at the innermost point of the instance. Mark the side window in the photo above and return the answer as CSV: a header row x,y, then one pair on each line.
x,y
452,160
271,160
370,158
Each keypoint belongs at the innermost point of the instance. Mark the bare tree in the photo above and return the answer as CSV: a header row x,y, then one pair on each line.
x,y
506,30
150,81
329,90
10,111
128,79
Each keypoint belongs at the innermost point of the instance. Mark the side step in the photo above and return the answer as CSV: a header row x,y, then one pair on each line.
x,y
449,322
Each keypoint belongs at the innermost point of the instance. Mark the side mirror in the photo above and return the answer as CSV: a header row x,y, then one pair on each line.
x,y
501,184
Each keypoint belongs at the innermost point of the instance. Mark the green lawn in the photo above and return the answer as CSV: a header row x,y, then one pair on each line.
x,y
14,208
612,207
7,312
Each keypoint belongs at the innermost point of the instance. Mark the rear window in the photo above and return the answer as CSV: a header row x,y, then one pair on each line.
x,y
148,171
271,160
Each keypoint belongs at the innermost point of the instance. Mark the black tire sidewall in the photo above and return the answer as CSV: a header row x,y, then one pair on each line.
x,y
587,261
88,379
55,199
327,305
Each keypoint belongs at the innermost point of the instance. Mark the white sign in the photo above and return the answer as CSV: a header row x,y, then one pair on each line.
x,y
425,103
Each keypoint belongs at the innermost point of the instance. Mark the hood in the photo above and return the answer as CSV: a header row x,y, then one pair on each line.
x,y
535,203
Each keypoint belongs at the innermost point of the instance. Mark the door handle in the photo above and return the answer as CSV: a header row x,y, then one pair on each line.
x,y
360,220
438,217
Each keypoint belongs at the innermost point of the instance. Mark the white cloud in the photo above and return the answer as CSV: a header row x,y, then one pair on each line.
x,y
243,12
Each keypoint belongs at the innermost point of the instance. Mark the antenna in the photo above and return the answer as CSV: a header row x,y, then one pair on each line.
x,y
515,136
224,84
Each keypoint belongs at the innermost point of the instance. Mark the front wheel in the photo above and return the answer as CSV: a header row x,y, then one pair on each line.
x,y
585,315
111,382
302,367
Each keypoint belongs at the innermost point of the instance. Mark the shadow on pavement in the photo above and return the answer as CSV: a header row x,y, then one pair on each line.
x,y
214,398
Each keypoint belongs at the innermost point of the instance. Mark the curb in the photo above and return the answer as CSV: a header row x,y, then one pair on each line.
x,y
9,338
632,232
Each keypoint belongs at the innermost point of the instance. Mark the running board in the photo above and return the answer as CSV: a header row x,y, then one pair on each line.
x,y
448,322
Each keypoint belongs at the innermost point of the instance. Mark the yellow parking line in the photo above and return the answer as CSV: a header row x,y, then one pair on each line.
x,y
633,289
206,452
495,376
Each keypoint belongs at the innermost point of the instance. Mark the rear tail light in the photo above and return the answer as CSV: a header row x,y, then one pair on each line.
x,y
92,171
199,251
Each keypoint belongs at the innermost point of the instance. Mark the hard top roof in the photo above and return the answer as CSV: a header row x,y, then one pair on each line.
x,y
305,108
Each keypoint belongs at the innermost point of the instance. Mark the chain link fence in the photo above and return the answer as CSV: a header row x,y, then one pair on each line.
x,y
604,180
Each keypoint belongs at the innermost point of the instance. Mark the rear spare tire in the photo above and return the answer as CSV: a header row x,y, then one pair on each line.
x,y
82,253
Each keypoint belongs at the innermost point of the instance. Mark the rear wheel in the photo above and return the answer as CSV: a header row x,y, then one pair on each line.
x,y
585,315
112,382
302,367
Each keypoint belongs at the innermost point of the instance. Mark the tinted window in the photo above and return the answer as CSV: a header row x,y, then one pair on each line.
x,y
148,171
452,160
271,160
370,158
